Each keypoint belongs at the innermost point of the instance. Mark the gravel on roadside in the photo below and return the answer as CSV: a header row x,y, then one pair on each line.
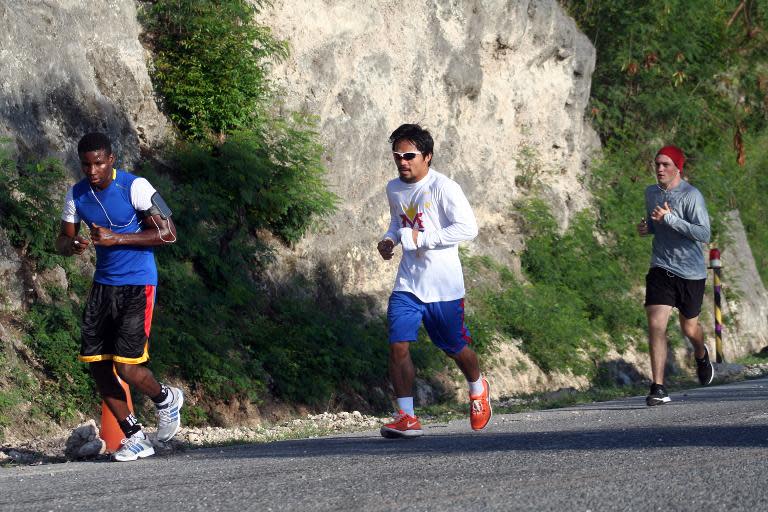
x,y
58,449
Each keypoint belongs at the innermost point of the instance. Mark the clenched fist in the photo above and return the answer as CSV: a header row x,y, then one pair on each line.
x,y
386,248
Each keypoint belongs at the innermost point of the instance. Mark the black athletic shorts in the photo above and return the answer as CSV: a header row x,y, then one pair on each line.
x,y
663,287
116,323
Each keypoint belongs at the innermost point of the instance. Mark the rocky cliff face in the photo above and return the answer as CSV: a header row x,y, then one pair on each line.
x,y
69,67
501,85
744,298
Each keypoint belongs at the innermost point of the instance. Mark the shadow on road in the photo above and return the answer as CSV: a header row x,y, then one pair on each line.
x,y
609,439
639,437
738,392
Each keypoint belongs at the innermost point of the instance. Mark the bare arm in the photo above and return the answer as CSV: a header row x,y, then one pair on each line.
x,y
69,242
157,231
386,248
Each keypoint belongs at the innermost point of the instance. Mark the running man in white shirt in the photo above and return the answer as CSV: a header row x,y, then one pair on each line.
x,y
429,217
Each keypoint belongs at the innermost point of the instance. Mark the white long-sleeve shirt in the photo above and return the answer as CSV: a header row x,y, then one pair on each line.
x,y
436,207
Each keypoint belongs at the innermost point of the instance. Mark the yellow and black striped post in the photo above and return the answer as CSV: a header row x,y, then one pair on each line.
x,y
716,266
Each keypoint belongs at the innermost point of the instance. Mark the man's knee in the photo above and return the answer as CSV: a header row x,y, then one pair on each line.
x,y
657,329
129,372
399,351
465,352
691,329
103,375
658,317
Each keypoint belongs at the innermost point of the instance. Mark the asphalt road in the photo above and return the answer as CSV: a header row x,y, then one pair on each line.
x,y
705,451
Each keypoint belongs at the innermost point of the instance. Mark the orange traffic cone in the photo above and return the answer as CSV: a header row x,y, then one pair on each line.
x,y
111,432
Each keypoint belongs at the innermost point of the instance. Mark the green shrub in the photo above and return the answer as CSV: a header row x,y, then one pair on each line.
x,y
211,63
30,206
658,78
8,402
30,212
656,82
53,332
551,321
745,189
577,263
258,179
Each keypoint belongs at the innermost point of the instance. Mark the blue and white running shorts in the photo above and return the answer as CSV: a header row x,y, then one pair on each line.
x,y
444,321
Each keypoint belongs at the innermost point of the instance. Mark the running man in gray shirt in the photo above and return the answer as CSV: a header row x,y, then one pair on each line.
x,y
679,223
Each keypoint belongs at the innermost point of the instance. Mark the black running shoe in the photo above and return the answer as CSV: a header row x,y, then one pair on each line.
x,y
657,396
704,369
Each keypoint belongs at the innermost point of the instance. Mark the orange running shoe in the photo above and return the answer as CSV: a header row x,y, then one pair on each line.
x,y
402,425
480,411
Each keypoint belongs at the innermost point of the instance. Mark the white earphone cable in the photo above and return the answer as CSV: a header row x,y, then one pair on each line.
x,y
160,234
107,215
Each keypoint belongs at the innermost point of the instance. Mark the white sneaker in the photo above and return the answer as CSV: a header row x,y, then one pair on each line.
x,y
135,447
169,417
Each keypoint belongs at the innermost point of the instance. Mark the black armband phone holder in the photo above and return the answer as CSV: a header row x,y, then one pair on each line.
x,y
159,207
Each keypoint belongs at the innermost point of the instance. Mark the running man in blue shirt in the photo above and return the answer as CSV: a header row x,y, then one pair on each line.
x,y
127,218
679,224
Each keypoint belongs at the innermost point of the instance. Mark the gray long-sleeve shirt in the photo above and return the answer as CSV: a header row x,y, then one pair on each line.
x,y
678,239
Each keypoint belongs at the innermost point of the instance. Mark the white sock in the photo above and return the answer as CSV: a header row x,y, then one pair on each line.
x,y
405,404
476,388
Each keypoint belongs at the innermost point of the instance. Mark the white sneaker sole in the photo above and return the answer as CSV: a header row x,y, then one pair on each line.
x,y
712,367
657,401
711,377
141,455
391,433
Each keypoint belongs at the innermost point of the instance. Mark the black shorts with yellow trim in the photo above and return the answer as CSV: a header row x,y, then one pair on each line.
x,y
116,323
